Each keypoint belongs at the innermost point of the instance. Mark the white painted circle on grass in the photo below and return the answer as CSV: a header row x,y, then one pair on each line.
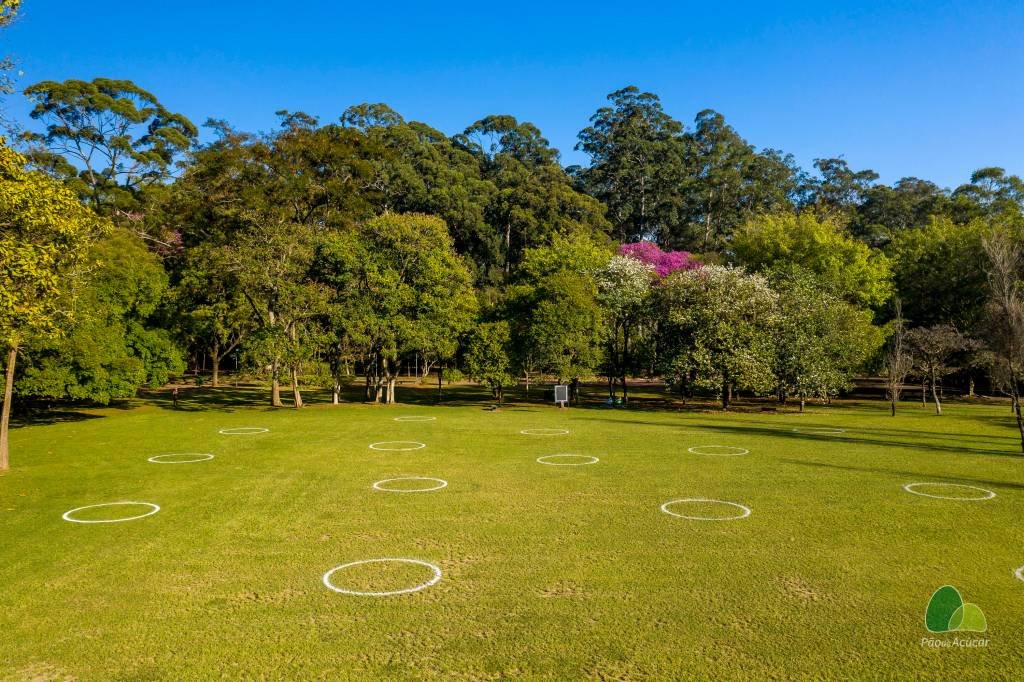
x,y
416,588
819,430
243,430
988,494
544,432
415,419
191,457
386,445
723,450
1019,573
744,511
154,509
380,485
589,459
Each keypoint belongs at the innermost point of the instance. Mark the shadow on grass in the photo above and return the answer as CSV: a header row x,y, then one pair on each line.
x,y
927,478
46,417
880,440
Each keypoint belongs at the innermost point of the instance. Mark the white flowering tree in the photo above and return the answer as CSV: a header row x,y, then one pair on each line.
x,y
624,289
716,330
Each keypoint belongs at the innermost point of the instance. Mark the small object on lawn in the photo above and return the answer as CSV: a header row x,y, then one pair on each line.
x,y
561,395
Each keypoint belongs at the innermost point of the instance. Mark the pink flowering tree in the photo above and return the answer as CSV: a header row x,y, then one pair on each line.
x,y
663,262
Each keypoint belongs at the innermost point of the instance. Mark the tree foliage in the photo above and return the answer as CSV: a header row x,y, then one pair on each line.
x,y
717,324
847,267
109,138
44,237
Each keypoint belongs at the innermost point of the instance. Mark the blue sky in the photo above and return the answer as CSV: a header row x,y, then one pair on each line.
x,y
930,89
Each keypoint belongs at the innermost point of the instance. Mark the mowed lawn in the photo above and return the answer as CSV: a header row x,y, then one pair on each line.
x,y
557,572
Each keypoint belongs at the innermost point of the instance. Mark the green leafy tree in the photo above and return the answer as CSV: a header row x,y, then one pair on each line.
x,y
534,198
717,330
414,168
820,340
997,193
554,309
887,211
939,272
207,307
110,138
44,238
114,345
636,165
402,290
488,357
839,189
844,265
728,181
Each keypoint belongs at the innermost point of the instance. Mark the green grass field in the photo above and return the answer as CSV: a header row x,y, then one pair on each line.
x,y
550,572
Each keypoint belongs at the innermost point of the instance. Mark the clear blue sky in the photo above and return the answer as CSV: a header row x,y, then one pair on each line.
x,y
931,89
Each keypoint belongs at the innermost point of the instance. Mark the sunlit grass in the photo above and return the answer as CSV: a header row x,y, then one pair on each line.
x,y
548,571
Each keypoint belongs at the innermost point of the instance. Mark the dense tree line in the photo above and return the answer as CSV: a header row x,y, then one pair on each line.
x,y
324,251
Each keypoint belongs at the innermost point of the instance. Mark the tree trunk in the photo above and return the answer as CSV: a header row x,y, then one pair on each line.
x,y
624,365
5,417
296,394
391,390
802,401
726,393
892,405
215,354
336,394
935,397
924,391
440,380
1020,424
1014,398
508,247
275,384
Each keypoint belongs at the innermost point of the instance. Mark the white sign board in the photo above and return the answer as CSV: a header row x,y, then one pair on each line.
x,y
561,394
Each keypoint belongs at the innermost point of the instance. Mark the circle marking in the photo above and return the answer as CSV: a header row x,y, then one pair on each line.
x,y
744,511
544,432
67,514
414,418
202,457
243,430
742,451
379,484
416,588
416,445
591,460
988,493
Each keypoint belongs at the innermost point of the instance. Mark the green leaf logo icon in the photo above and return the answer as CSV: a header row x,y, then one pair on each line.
x,y
947,612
